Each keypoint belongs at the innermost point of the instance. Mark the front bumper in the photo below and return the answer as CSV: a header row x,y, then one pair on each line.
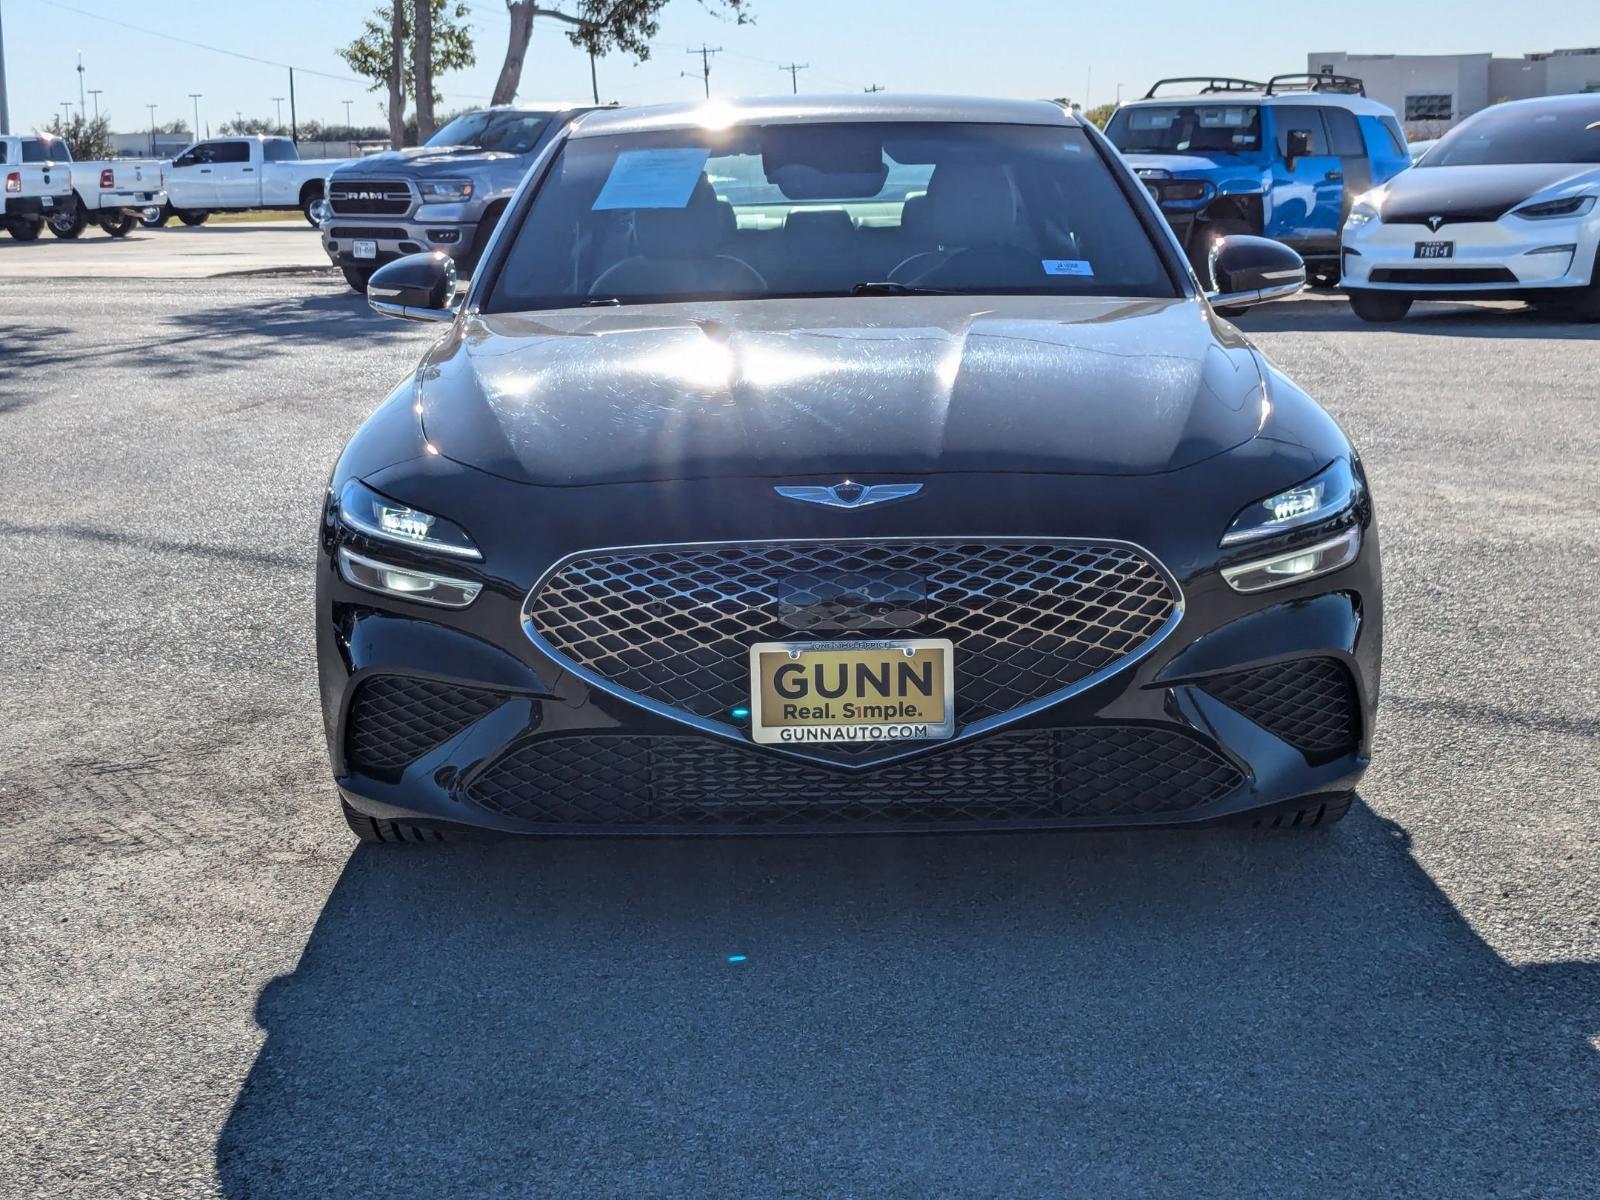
x,y
1507,256
461,718
394,239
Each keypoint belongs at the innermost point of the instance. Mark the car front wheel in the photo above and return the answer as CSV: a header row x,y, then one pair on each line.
x,y
357,277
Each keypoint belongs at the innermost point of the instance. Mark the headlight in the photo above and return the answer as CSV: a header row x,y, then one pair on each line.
x,y
405,583
1320,498
445,191
1567,206
365,511
1295,566
1361,213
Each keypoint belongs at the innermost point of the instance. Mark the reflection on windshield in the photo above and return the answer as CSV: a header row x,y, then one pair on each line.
x,y
838,210
506,132
1568,134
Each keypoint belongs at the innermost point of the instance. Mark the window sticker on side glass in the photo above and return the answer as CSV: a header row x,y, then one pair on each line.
x,y
1067,266
652,179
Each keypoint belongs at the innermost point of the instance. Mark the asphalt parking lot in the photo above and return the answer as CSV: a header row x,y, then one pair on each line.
x,y
172,252
208,989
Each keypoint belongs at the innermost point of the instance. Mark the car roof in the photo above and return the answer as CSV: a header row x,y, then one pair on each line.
x,y
816,110
1345,100
1579,101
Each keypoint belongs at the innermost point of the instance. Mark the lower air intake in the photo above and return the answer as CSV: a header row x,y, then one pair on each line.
x,y
1309,703
395,720
1032,778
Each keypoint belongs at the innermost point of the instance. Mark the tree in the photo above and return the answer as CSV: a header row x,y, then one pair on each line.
x,y
383,52
599,26
1100,114
88,140
422,66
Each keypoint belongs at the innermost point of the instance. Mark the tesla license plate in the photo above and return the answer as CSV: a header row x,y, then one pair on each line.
x,y
900,690
1436,249
365,249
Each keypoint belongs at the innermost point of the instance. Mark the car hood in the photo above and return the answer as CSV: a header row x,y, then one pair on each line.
x,y
841,387
421,160
1482,192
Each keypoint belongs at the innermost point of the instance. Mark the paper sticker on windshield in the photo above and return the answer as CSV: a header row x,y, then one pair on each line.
x,y
1067,266
652,179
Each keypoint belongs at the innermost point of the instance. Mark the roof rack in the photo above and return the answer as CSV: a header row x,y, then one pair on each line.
x,y
1213,84
1306,81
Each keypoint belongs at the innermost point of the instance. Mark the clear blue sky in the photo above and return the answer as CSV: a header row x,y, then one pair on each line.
x,y
1002,47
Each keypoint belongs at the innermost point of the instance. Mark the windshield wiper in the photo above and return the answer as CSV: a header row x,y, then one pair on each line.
x,y
601,302
886,288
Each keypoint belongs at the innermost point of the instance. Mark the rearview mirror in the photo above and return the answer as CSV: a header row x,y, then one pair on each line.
x,y
1299,144
418,287
1251,270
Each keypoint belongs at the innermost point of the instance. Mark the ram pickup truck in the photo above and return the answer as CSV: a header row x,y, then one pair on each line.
x,y
446,195
34,185
111,194
239,173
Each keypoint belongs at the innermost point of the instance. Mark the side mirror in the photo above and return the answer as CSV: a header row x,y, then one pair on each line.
x,y
418,287
1252,270
1299,145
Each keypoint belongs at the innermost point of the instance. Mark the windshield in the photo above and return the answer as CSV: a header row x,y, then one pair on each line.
x,y
507,132
1186,129
1569,133
827,210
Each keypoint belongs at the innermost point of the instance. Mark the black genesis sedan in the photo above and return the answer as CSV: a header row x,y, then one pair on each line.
x,y
855,464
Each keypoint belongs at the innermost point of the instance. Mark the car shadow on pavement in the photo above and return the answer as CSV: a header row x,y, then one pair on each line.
x,y
1157,1014
1433,318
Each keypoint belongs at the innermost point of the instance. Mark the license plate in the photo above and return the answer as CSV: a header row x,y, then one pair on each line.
x,y
365,250
900,690
1436,249
47,201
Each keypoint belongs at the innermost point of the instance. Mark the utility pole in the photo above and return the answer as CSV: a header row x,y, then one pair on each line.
x,y
152,109
81,107
195,96
594,80
873,88
278,100
5,108
294,123
96,93
705,52
794,70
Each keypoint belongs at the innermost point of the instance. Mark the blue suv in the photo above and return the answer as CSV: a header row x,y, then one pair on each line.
x,y
1283,159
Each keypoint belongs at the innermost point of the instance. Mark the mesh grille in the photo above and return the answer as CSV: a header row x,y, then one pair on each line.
x,y
395,720
674,624
1032,777
1309,703
1442,275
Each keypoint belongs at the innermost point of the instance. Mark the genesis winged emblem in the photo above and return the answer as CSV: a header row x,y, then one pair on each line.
x,y
850,494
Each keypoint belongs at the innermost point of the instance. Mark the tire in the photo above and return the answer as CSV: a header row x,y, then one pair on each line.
x,y
119,226
357,277
1309,812
26,229
1324,279
374,829
68,225
1380,308
480,241
163,215
192,219
306,202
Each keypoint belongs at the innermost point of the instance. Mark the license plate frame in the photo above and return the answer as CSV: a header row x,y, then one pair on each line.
x,y
773,721
1433,250
364,248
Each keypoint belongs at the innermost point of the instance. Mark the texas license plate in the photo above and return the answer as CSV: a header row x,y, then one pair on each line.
x,y
47,201
899,690
1436,249
365,250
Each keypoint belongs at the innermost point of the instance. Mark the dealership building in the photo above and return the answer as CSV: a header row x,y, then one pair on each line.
x,y
1431,92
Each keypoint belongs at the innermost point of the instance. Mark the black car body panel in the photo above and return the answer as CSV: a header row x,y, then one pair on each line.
x,y
1127,431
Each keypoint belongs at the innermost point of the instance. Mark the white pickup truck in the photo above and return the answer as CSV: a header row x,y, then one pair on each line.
x,y
111,194
239,173
34,186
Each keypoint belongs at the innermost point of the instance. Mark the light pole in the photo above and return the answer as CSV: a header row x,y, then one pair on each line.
x,y
1119,95
152,109
5,108
96,92
348,123
195,96
278,100
66,113
81,107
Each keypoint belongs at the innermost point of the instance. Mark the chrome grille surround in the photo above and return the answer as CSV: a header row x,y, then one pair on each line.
x,y
369,197
1034,620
